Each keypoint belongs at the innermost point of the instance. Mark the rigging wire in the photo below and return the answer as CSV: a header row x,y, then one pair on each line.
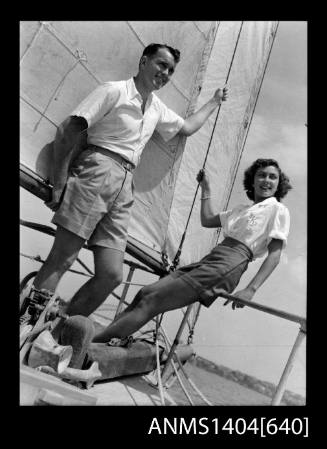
x,y
206,53
192,326
168,345
178,253
249,125
187,377
159,374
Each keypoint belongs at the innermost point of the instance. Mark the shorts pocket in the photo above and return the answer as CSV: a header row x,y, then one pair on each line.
x,y
82,161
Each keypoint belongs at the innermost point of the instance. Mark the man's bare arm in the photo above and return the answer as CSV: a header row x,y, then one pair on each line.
x,y
68,134
195,121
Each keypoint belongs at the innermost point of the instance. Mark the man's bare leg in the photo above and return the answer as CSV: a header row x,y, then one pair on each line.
x,y
62,255
77,331
166,294
108,267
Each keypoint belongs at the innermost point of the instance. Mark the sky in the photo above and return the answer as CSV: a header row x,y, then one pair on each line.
x,y
244,339
278,131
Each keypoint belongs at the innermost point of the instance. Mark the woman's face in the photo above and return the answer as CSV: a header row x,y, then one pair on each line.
x,y
265,184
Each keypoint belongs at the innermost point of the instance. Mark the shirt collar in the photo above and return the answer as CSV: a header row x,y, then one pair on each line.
x,y
271,199
132,92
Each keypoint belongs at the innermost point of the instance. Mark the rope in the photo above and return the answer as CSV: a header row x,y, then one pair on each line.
x,y
161,392
249,125
192,326
176,340
177,256
184,372
167,342
52,30
180,381
51,231
199,392
245,139
196,87
125,291
189,324
89,274
38,259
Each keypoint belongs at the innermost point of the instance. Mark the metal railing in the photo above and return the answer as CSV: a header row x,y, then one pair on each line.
x,y
263,308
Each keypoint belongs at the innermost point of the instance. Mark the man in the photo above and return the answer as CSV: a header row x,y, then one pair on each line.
x,y
93,192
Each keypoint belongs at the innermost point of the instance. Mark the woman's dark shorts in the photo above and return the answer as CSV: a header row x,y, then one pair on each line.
x,y
221,269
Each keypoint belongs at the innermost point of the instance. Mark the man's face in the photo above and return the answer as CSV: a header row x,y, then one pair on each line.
x,y
156,70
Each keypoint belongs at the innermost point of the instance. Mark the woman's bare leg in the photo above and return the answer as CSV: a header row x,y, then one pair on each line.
x,y
166,294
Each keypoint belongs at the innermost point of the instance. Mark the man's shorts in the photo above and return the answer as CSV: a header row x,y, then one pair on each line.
x,y
97,200
222,268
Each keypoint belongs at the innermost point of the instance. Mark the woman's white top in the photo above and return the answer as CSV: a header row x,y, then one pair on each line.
x,y
255,225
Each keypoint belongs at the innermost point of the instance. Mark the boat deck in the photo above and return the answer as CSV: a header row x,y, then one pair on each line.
x,y
43,389
133,390
37,388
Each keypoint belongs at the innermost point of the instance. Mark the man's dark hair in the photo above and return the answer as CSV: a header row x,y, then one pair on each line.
x,y
284,183
152,49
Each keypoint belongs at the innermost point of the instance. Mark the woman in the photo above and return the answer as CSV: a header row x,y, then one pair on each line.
x,y
249,230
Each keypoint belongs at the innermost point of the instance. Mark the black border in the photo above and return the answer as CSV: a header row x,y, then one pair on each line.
x,y
113,424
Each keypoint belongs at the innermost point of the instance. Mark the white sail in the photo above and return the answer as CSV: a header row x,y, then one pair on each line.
x,y
62,62
228,131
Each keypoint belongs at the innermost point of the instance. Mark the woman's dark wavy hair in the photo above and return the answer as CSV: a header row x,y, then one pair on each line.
x,y
284,183
152,49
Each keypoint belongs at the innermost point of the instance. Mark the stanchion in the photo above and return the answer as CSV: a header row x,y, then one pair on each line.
x,y
175,343
282,383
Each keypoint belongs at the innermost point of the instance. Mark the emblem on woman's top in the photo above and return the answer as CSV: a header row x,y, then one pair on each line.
x,y
252,220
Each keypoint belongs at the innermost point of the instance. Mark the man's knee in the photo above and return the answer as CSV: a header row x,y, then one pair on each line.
x,y
112,277
116,278
66,248
60,260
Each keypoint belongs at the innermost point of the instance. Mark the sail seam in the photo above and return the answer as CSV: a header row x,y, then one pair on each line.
x,y
57,89
54,33
29,46
179,250
260,81
171,82
199,30
37,110
198,79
